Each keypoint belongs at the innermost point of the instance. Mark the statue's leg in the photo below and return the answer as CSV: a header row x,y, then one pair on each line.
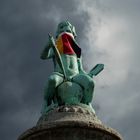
x,y
53,81
88,87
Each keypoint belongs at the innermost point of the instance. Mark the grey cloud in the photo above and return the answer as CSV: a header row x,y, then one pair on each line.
x,y
24,26
118,102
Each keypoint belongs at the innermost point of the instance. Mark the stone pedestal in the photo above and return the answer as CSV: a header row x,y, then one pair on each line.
x,y
70,123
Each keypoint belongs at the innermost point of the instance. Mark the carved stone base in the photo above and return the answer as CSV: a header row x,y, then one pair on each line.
x,y
70,123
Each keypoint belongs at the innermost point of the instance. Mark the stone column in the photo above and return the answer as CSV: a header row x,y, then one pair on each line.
x,y
70,122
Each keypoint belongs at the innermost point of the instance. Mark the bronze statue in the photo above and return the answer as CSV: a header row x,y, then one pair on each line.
x,y
69,83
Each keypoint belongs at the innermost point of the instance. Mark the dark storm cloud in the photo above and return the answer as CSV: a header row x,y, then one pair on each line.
x,y
117,39
24,26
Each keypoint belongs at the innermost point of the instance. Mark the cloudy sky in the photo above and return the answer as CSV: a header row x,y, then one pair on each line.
x,y
108,32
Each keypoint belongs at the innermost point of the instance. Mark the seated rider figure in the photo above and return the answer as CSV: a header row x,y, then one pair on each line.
x,y
70,54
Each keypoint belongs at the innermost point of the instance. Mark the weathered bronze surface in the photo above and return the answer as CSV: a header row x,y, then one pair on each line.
x,y
69,83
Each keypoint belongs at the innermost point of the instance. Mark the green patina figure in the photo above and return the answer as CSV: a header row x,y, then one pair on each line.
x,y
69,83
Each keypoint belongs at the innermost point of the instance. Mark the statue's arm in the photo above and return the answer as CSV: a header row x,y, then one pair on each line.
x,y
47,52
80,66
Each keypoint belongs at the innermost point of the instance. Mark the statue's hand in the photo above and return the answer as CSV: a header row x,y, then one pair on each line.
x,y
51,41
83,72
45,51
49,44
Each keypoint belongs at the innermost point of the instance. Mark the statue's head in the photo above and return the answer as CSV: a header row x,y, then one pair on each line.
x,y
65,26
